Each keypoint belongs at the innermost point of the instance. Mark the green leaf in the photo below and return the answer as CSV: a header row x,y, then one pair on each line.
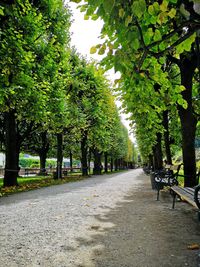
x,y
128,20
136,44
163,6
75,1
148,36
95,17
93,50
184,12
182,88
153,19
108,5
138,8
182,103
1,11
151,10
156,7
162,60
157,35
172,13
86,17
162,18
173,1
102,50
121,12
132,36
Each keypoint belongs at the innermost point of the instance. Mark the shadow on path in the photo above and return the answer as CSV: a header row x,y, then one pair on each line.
x,y
142,232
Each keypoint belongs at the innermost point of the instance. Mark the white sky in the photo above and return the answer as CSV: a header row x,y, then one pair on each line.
x,y
85,34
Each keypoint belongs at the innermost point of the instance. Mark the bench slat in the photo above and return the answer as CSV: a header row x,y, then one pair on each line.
x,y
186,194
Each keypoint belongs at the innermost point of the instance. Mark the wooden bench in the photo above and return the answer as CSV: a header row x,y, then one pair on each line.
x,y
166,177
188,194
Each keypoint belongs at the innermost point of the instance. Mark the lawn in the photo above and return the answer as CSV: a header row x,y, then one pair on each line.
x,y
30,183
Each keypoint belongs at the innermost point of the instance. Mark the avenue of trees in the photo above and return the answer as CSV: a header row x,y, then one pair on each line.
x,y
53,101
155,45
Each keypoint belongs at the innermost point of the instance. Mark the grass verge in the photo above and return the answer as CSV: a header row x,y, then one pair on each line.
x,y
30,183
36,182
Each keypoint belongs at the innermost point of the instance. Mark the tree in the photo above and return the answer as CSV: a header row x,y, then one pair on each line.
x,y
32,34
138,36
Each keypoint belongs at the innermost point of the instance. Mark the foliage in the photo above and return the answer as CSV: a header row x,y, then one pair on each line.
x,y
29,162
34,163
140,40
33,48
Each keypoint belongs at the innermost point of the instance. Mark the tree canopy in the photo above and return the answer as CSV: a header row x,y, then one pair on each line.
x,y
146,41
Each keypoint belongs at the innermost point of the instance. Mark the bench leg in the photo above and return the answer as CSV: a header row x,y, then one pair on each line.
x,y
198,214
174,200
158,193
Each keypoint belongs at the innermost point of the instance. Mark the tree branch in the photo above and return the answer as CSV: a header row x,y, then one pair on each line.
x,y
169,48
194,25
174,60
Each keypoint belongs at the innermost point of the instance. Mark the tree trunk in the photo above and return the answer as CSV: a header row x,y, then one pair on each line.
x,y
120,164
84,155
111,164
188,121
42,162
89,160
43,153
11,161
166,137
106,162
97,162
157,153
59,156
150,163
71,160
116,164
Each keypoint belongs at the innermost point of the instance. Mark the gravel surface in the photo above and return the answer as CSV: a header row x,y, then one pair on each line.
x,y
107,221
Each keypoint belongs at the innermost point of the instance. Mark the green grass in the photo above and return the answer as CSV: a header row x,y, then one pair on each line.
x,y
30,183
181,179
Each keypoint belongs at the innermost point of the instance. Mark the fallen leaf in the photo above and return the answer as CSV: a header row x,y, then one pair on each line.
x,y
193,246
95,227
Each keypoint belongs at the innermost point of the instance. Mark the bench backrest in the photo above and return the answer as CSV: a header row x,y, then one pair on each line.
x,y
168,166
175,167
198,174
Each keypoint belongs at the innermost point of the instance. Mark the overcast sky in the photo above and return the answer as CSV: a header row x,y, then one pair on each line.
x,y
85,34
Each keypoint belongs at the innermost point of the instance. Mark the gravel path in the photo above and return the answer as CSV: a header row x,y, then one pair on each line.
x,y
107,221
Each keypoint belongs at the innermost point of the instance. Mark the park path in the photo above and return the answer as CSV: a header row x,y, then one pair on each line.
x,y
107,221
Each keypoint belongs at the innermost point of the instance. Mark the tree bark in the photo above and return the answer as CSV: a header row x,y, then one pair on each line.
x,y
59,156
150,163
89,160
116,164
97,162
43,153
157,153
84,155
11,157
106,162
166,137
71,160
111,164
188,121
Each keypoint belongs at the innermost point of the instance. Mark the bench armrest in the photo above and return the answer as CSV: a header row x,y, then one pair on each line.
x,y
197,195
